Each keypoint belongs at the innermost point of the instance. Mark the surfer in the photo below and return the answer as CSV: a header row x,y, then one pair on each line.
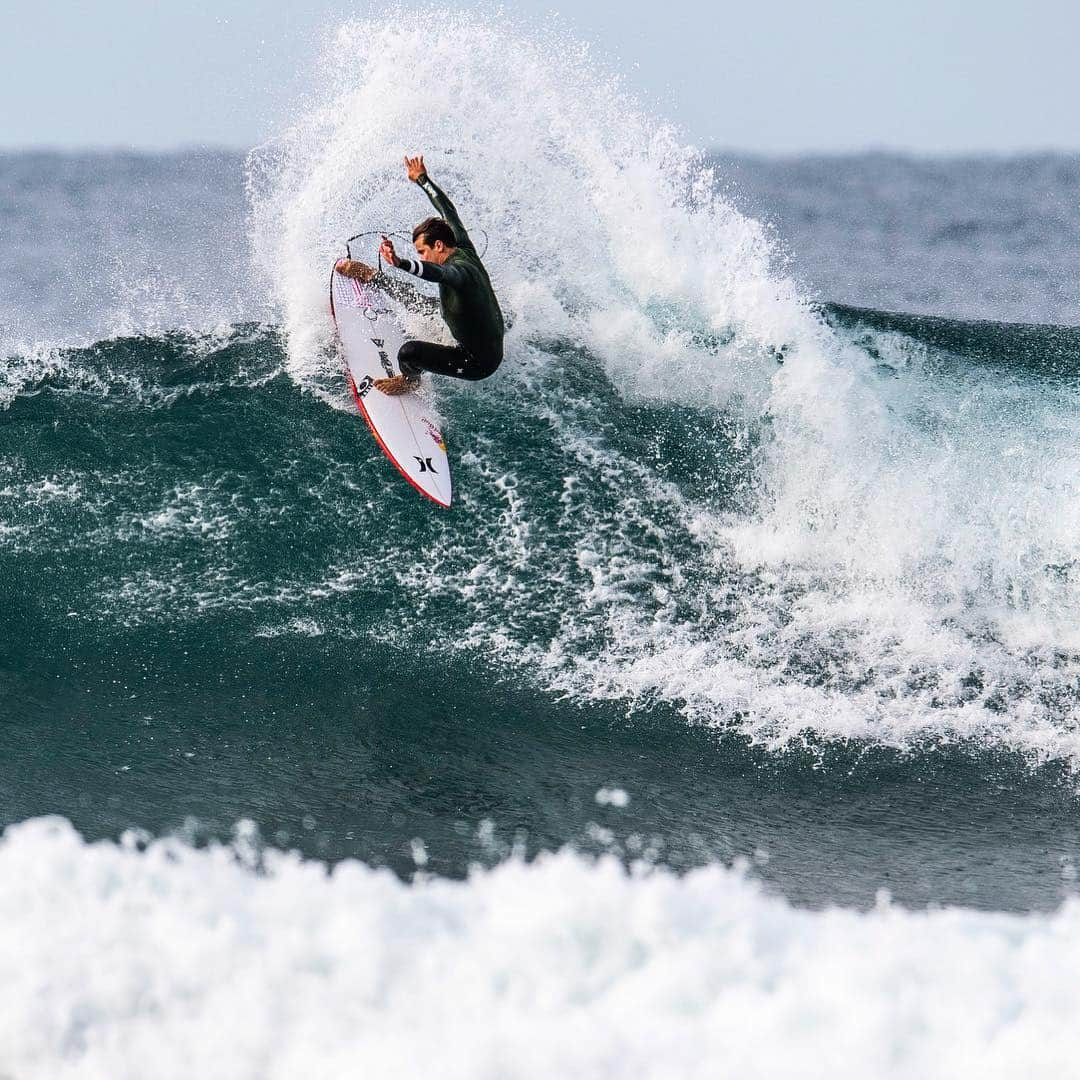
x,y
467,301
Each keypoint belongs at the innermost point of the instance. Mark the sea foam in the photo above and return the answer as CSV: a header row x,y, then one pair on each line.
x,y
160,960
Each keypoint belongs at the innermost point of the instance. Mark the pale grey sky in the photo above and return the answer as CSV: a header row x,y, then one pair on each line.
x,y
923,75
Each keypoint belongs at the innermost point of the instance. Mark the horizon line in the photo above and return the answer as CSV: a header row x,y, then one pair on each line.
x,y
869,150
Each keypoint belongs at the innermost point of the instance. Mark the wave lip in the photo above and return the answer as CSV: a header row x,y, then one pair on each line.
x,y
566,966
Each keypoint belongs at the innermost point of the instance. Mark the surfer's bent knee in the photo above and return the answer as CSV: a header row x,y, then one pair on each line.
x,y
457,362
407,356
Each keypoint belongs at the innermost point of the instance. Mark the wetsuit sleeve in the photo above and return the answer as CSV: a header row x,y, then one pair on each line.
x,y
446,210
451,273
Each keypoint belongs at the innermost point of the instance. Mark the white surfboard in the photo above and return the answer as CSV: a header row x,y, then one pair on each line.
x,y
406,426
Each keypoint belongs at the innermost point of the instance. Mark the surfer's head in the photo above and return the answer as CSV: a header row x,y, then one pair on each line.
x,y
434,240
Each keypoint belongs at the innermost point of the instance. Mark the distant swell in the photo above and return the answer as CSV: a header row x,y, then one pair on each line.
x,y
1044,351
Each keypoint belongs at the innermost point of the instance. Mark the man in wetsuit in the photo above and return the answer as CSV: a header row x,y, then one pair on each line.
x,y
466,299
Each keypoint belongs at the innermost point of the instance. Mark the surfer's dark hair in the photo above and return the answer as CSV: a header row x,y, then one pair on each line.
x,y
432,229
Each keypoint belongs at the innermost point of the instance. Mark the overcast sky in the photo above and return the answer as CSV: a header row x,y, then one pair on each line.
x,y
945,76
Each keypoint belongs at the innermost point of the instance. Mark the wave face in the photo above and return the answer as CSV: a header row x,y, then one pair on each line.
x,y
220,600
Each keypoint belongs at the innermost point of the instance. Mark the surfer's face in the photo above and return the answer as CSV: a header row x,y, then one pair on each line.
x,y
436,253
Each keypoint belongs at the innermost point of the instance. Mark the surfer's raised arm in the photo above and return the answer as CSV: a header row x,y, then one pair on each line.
x,y
439,199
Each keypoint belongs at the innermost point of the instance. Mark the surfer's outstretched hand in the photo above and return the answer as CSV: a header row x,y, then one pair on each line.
x,y
415,167
386,250
350,268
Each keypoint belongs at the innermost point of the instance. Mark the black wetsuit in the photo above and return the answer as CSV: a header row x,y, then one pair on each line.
x,y
467,302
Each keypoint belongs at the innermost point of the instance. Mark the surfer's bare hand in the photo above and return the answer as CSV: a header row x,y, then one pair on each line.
x,y
350,268
415,167
386,250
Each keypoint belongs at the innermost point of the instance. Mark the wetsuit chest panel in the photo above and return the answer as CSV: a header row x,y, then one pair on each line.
x,y
468,304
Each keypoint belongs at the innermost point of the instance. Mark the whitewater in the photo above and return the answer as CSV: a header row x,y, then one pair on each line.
x,y
561,967
727,724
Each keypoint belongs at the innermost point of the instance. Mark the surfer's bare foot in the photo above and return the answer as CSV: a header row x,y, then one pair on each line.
x,y
399,384
350,268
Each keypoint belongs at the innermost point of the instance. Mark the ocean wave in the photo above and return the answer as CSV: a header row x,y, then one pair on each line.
x,y
875,542
149,369
603,545
686,484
